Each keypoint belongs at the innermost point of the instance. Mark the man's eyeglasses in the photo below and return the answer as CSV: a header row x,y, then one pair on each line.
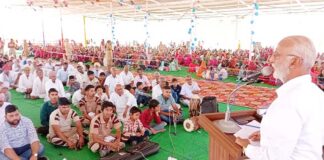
x,y
276,56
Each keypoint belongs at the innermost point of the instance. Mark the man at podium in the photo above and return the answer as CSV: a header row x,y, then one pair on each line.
x,y
292,128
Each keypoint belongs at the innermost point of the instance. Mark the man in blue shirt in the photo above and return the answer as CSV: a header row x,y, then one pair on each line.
x,y
63,73
18,137
170,110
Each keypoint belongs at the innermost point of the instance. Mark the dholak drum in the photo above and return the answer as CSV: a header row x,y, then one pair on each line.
x,y
194,106
191,124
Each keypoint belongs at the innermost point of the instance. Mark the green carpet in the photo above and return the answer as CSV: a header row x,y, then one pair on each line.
x,y
191,146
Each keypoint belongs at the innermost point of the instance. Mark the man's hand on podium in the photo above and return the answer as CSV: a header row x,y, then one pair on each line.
x,y
242,142
245,142
255,136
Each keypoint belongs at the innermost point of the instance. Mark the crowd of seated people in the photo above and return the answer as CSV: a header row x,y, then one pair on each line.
x,y
103,96
226,62
107,100
209,64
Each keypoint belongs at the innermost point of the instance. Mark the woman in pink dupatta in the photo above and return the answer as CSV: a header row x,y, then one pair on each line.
x,y
187,60
192,67
180,58
212,62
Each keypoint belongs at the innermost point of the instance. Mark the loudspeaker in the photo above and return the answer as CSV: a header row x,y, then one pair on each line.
x,y
209,105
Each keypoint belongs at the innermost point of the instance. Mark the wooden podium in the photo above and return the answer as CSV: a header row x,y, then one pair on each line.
x,y
222,146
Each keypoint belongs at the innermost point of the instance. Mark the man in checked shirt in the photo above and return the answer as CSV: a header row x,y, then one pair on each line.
x,y
18,137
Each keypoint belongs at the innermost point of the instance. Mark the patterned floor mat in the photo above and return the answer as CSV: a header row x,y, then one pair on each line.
x,y
249,96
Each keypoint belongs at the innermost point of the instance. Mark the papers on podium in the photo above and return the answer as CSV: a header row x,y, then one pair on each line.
x,y
247,130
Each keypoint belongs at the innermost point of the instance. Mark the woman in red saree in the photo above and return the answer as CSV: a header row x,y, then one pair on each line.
x,y
192,67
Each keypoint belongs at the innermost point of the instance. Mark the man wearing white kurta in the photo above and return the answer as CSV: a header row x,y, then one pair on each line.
x,y
157,89
127,76
80,75
96,70
77,96
292,128
16,67
188,90
156,79
9,76
49,66
25,83
39,90
112,80
142,78
222,74
3,106
122,99
52,82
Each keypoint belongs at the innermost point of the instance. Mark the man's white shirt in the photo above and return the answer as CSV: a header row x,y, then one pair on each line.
x,y
127,99
2,111
292,128
25,82
111,82
156,91
154,82
142,79
11,78
127,78
39,87
186,89
76,97
58,85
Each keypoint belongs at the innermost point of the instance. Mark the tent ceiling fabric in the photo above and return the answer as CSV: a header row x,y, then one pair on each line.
x,y
174,9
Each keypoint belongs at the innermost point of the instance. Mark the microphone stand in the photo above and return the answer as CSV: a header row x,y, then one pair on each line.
x,y
174,124
173,120
227,125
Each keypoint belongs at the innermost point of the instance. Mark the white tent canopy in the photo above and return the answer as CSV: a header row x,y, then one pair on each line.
x,y
227,23
172,9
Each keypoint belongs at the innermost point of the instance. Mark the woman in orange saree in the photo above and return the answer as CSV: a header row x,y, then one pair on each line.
x,y
201,69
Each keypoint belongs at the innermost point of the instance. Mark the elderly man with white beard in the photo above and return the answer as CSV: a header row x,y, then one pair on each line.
x,y
292,128
25,83
53,82
123,100
38,90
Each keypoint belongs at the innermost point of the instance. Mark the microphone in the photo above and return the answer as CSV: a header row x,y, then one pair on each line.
x,y
227,125
265,71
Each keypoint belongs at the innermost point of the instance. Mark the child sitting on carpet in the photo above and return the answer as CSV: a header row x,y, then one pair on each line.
x,y
175,89
73,84
222,74
209,74
100,93
134,131
142,98
153,112
212,73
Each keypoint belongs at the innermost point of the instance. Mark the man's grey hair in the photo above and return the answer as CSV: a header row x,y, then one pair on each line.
x,y
303,47
156,73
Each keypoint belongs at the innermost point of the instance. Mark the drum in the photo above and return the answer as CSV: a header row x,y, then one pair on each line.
x,y
194,106
191,124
